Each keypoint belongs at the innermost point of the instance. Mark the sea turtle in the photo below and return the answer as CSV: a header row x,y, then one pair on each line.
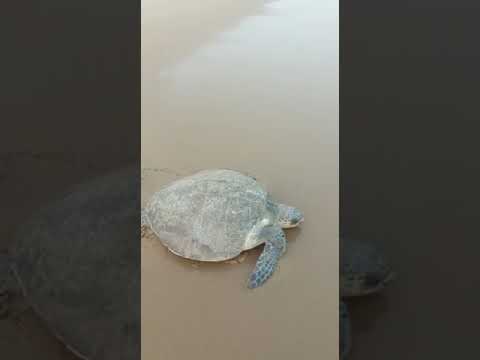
x,y
363,271
214,215
77,263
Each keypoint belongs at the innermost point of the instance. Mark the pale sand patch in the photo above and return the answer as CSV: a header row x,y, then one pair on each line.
x,y
223,89
172,30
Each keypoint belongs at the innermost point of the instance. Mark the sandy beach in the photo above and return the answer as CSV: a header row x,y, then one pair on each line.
x,y
253,88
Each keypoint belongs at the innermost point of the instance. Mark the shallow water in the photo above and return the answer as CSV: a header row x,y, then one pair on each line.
x,y
253,87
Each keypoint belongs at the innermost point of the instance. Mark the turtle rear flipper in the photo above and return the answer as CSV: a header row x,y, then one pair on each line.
x,y
144,218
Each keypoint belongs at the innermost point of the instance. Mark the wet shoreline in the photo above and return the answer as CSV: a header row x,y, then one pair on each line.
x,y
260,97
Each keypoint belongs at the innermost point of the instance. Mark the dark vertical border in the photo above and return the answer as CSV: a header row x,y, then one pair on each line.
x,y
409,126
70,110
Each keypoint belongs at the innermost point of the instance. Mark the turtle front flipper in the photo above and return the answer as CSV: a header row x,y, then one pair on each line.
x,y
345,335
275,246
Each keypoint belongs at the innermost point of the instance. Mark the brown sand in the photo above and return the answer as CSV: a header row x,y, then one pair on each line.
x,y
254,88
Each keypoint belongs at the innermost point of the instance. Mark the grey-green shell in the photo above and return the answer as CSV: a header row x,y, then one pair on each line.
x,y
78,263
212,215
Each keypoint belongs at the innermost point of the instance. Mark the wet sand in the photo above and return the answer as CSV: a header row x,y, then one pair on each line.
x,y
253,88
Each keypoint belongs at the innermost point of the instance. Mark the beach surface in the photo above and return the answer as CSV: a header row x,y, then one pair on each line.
x,y
252,87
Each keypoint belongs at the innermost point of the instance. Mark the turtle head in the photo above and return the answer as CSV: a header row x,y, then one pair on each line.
x,y
363,269
289,216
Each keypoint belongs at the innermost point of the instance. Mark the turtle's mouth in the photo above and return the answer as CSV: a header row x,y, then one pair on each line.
x,y
293,223
301,220
289,224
